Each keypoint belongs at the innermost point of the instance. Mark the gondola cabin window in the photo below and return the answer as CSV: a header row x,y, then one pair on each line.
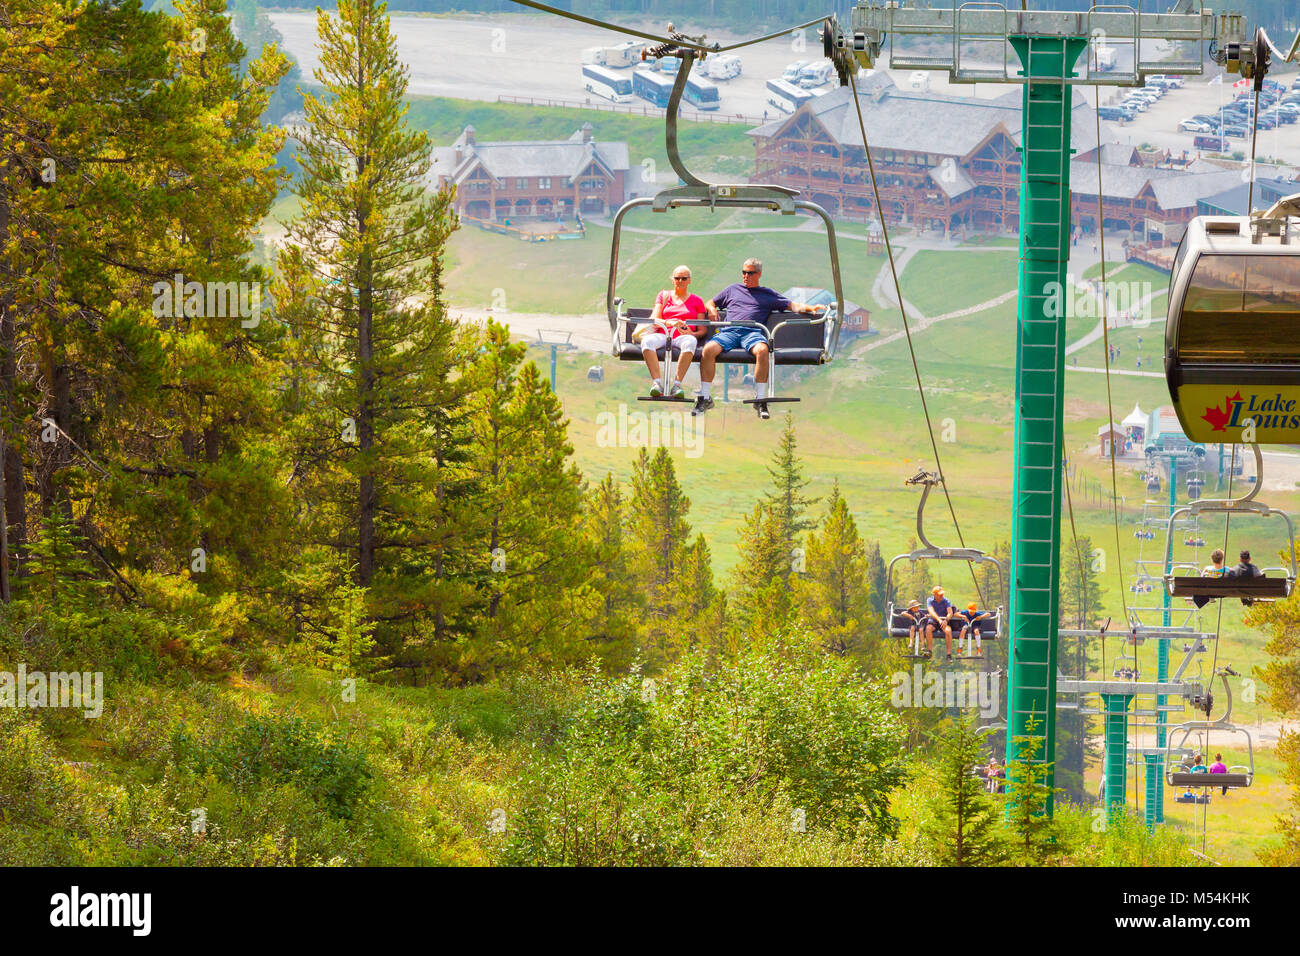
x,y
1224,292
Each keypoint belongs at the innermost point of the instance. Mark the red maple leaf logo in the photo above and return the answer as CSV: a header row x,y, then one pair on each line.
x,y
1219,418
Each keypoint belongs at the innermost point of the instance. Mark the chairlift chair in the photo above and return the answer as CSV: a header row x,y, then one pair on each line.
x,y
793,339
1238,776
897,625
1261,589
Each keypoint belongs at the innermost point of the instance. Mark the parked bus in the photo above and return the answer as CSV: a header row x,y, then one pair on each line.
x,y
653,86
701,93
605,82
786,96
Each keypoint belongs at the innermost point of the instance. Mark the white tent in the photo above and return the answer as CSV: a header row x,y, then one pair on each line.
x,y
1136,419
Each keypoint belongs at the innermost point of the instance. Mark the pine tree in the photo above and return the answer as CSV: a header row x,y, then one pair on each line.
x,y
786,503
1080,600
536,580
622,602
1038,838
762,597
1080,605
374,355
962,827
833,595
658,532
878,578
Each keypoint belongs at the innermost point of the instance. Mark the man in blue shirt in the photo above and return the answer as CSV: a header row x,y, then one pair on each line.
x,y
940,611
745,301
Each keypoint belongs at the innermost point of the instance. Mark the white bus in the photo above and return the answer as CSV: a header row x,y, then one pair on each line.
x,y
786,96
607,83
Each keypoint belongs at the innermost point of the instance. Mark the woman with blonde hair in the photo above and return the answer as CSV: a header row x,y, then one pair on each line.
x,y
670,322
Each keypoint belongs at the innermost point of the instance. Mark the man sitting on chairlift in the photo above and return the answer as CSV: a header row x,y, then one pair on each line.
x,y
745,301
1244,570
940,611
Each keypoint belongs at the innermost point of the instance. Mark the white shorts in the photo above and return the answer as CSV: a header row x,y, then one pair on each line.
x,y
657,340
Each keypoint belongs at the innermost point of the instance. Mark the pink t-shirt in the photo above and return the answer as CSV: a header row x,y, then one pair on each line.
x,y
681,311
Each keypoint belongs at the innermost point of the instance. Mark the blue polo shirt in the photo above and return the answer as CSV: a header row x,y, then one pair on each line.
x,y
940,606
750,305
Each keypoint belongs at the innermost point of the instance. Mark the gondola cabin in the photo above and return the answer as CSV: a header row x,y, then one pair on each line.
x,y
1232,340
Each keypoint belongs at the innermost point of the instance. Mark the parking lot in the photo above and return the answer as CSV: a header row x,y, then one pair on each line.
x,y
482,57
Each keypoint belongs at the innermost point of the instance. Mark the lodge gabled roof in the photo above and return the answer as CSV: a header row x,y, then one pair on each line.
x,y
506,160
925,122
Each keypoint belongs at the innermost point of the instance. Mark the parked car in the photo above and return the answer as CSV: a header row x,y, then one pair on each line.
x,y
1215,144
1195,126
791,74
1136,103
1239,130
1116,114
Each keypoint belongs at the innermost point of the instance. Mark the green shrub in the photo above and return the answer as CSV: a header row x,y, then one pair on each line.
x,y
277,749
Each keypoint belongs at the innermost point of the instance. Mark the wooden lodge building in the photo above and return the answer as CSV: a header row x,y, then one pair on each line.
x,y
521,180
951,164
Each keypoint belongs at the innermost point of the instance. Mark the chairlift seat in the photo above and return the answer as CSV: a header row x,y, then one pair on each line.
x,y
990,627
1206,779
800,342
1259,589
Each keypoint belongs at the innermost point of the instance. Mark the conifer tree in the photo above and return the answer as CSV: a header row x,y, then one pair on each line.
x,y
786,503
658,532
604,520
1038,839
962,826
833,593
540,597
371,346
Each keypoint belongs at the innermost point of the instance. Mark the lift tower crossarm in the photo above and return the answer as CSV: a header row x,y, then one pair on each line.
x,y
873,26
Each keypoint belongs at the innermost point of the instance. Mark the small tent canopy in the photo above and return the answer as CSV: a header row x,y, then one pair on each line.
x,y
1136,419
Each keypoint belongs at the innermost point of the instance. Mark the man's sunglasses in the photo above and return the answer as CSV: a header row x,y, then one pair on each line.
x,y
681,278
750,272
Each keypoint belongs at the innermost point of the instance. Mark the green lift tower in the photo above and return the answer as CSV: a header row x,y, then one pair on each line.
x,y
1041,50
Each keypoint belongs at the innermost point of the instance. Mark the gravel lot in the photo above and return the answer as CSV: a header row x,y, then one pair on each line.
x,y
481,57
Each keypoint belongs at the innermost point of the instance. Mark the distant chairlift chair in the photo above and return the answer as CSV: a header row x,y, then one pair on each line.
x,y
898,626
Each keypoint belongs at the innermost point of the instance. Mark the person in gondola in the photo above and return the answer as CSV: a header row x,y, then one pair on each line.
x,y
940,612
670,321
745,301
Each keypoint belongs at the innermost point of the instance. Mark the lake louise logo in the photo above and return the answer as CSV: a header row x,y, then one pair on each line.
x,y
1274,412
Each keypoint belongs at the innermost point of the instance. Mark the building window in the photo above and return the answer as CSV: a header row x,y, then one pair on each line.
x,y
543,182
521,183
